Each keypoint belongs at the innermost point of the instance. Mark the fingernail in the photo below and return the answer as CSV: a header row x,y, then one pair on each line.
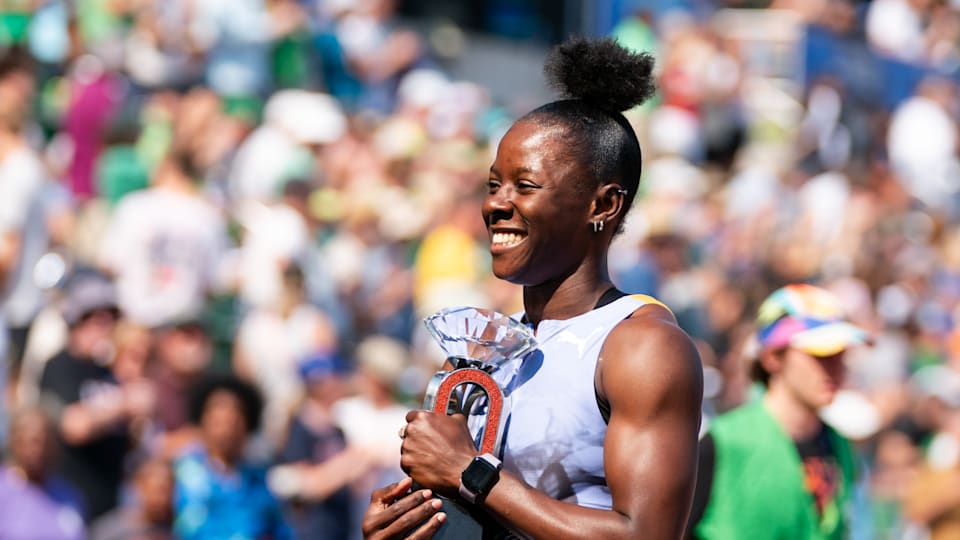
x,y
441,517
436,504
426,494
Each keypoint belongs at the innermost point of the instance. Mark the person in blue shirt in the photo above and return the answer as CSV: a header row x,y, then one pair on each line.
x,y
218,493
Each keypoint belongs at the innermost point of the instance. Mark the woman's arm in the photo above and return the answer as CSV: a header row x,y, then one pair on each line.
x,y
652,378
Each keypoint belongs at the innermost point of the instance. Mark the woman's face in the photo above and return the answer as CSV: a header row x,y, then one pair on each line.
x,y
537,221
223,424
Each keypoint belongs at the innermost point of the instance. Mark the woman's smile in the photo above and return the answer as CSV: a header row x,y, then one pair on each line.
x,y
502,241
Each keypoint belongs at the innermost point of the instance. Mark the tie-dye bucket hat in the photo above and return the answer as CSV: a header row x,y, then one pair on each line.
x,y
807,318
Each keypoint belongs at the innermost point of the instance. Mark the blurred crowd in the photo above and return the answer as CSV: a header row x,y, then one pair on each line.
x,y
222,221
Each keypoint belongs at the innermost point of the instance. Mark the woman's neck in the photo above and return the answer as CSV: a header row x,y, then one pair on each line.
x,y
568,296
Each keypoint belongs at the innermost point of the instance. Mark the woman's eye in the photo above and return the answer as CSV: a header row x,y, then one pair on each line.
x,y
493,184
527,186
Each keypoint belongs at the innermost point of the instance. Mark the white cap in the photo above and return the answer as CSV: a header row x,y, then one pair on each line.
x,y
422,88
309,117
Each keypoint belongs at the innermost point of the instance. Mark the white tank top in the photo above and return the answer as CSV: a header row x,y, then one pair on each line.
x,y
555,432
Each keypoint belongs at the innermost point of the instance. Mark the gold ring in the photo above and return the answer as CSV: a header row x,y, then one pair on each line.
x,y
403,431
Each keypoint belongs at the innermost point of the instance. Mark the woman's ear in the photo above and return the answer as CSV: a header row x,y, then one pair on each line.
x,y
609,203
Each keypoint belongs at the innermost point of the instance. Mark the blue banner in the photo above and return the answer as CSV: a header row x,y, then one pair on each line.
x,y
866,75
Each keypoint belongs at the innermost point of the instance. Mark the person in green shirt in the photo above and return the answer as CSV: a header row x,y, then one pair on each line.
x,y
771,469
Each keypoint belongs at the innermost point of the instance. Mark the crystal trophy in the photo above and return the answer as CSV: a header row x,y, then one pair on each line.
x,y
477,343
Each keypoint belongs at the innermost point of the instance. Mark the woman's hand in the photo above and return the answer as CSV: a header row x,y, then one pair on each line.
x,y
436,449
394,512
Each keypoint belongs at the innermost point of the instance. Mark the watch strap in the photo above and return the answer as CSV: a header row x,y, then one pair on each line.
x,y
472,496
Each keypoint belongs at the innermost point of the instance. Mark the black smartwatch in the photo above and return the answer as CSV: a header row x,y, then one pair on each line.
x,y
479,477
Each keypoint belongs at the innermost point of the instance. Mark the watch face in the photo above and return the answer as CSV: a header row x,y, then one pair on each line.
x,y
480,476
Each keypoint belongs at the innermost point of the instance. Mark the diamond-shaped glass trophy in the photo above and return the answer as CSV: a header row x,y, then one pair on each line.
x,y
477,342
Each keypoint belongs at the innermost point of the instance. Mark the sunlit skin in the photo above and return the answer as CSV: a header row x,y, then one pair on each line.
x,y
539,211
533,211
537,195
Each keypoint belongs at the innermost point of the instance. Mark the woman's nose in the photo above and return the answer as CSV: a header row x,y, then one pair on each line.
x,y
497,206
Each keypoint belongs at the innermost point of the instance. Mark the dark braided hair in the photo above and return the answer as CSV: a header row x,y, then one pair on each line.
x,y
599,79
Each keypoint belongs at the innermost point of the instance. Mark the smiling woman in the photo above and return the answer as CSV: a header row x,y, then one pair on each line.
x,y
567,170
602,437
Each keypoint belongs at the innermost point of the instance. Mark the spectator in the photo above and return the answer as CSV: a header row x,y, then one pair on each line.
x,y
41,241
275,237
772,468
933,497
164,244
95,94
269,343
150,516
926,169
297,125
235,37
92,412
896,460
319,466
219,494
370,417
182,354
35,502
131,344
22,177
448,263
377,51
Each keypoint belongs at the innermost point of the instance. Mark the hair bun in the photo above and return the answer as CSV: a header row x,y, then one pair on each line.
x,y
601,72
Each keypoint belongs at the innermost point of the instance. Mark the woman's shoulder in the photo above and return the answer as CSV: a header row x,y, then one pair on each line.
x,y
650,348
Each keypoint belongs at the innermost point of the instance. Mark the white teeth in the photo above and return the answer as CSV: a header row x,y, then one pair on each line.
x,y
506,238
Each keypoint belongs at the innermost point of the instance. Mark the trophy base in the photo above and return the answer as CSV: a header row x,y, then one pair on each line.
x,y
464,523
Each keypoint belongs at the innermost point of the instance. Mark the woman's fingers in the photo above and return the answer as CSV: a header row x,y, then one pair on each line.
x,y
421,512
393,512
378,513
428,529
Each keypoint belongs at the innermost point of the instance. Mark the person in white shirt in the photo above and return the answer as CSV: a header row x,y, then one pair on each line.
x,y
21,171
22,176
164,245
